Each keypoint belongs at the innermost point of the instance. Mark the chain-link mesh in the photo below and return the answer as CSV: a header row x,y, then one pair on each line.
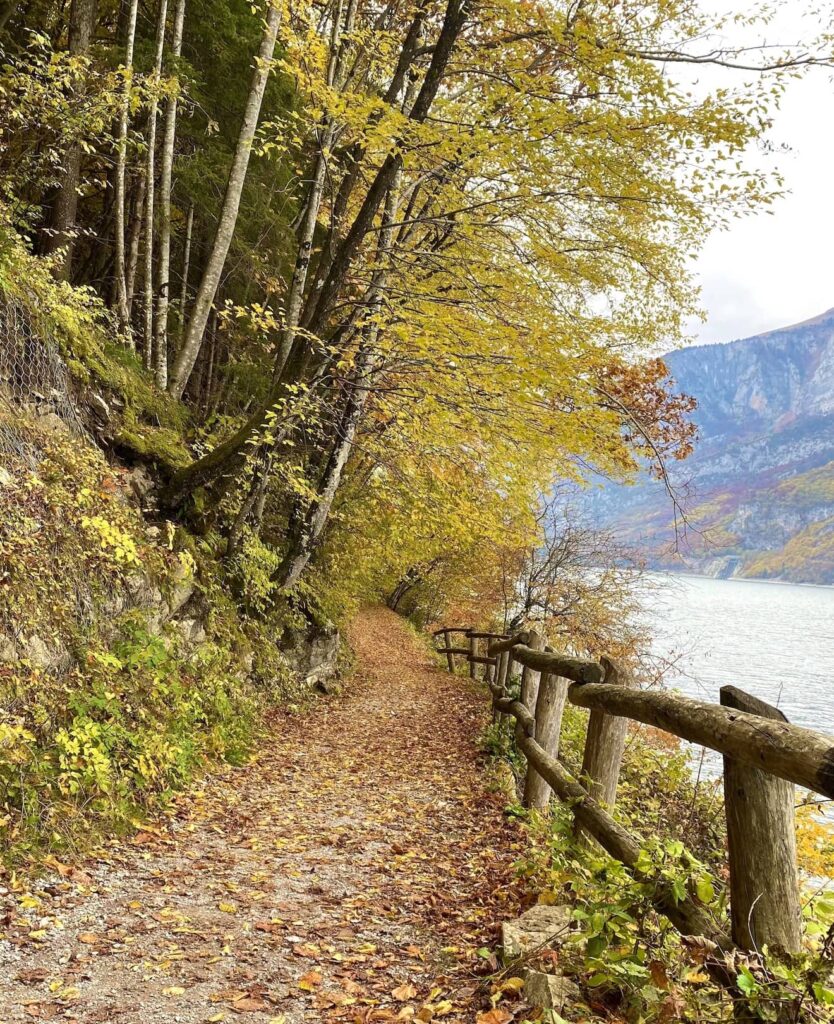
x,y
33,379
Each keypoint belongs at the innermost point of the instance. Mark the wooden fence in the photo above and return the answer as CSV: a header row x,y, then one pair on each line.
x,y
765,757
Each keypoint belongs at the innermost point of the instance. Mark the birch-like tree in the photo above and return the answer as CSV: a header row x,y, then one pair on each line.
x,y
213,270
150,182
122,301
165,186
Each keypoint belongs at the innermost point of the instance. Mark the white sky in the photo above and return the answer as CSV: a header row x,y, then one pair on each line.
x,y
774,269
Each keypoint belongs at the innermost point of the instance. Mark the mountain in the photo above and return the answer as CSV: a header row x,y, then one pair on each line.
x,y
758,492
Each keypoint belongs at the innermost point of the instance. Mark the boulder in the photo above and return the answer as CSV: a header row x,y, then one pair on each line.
x,y
312,653
550,991
541,926
52,422
41,656
192,631
141,484
8,650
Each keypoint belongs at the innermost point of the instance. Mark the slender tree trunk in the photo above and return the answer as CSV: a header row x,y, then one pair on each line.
x,y
457,12
82,24
302,543
122,301
150,187
169,141
193,337
137,222
186,265
295,298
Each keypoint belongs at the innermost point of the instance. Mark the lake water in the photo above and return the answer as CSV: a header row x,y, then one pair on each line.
x,y
773,640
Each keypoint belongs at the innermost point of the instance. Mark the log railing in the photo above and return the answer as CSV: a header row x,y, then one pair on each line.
x,y
765,757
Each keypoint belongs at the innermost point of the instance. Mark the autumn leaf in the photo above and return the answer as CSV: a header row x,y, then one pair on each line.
x,y
310,981
497,1016
404,992
658,974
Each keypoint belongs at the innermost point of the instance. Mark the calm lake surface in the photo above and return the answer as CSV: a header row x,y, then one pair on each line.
x,y
774,640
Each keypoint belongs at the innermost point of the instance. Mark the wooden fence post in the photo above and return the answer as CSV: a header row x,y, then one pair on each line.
x,y
473,653
447,643
501,672
605,743
530,677
761,835
550,706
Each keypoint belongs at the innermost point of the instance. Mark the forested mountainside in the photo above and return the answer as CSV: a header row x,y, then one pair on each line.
x,y
758,492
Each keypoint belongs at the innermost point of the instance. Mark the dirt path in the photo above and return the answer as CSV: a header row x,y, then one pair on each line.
x,y
351,872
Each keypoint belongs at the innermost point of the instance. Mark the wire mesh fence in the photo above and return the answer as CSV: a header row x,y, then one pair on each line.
x,y
33,380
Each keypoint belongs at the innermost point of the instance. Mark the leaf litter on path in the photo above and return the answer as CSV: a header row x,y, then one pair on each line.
x,y
351,872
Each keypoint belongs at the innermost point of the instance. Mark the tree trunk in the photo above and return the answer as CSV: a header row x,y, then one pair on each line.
x,y
150,187
193,337
303,543
64,211
169,140
122,301
295,298
135,241
301,550
231,454
457,12
186,265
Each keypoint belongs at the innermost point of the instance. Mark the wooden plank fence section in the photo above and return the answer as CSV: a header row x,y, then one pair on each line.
x,y
801,756
765,756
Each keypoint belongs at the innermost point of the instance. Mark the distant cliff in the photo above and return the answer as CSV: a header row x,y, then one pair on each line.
x,y
759,490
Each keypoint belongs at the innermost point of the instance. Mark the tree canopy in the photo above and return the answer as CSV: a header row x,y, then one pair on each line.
x,y
405,263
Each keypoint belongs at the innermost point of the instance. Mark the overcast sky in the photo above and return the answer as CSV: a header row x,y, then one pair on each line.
x,y
775,269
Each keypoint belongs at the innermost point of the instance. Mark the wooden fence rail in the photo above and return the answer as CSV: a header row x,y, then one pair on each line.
x,y
765,756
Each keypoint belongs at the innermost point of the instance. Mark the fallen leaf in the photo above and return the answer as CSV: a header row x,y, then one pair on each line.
x,y
497,1016
404,993
309,981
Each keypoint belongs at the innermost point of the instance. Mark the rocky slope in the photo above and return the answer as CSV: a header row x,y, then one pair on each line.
x,y
758,493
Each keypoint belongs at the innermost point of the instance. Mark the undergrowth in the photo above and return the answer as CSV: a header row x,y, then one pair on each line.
x,y
629,961
107,707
